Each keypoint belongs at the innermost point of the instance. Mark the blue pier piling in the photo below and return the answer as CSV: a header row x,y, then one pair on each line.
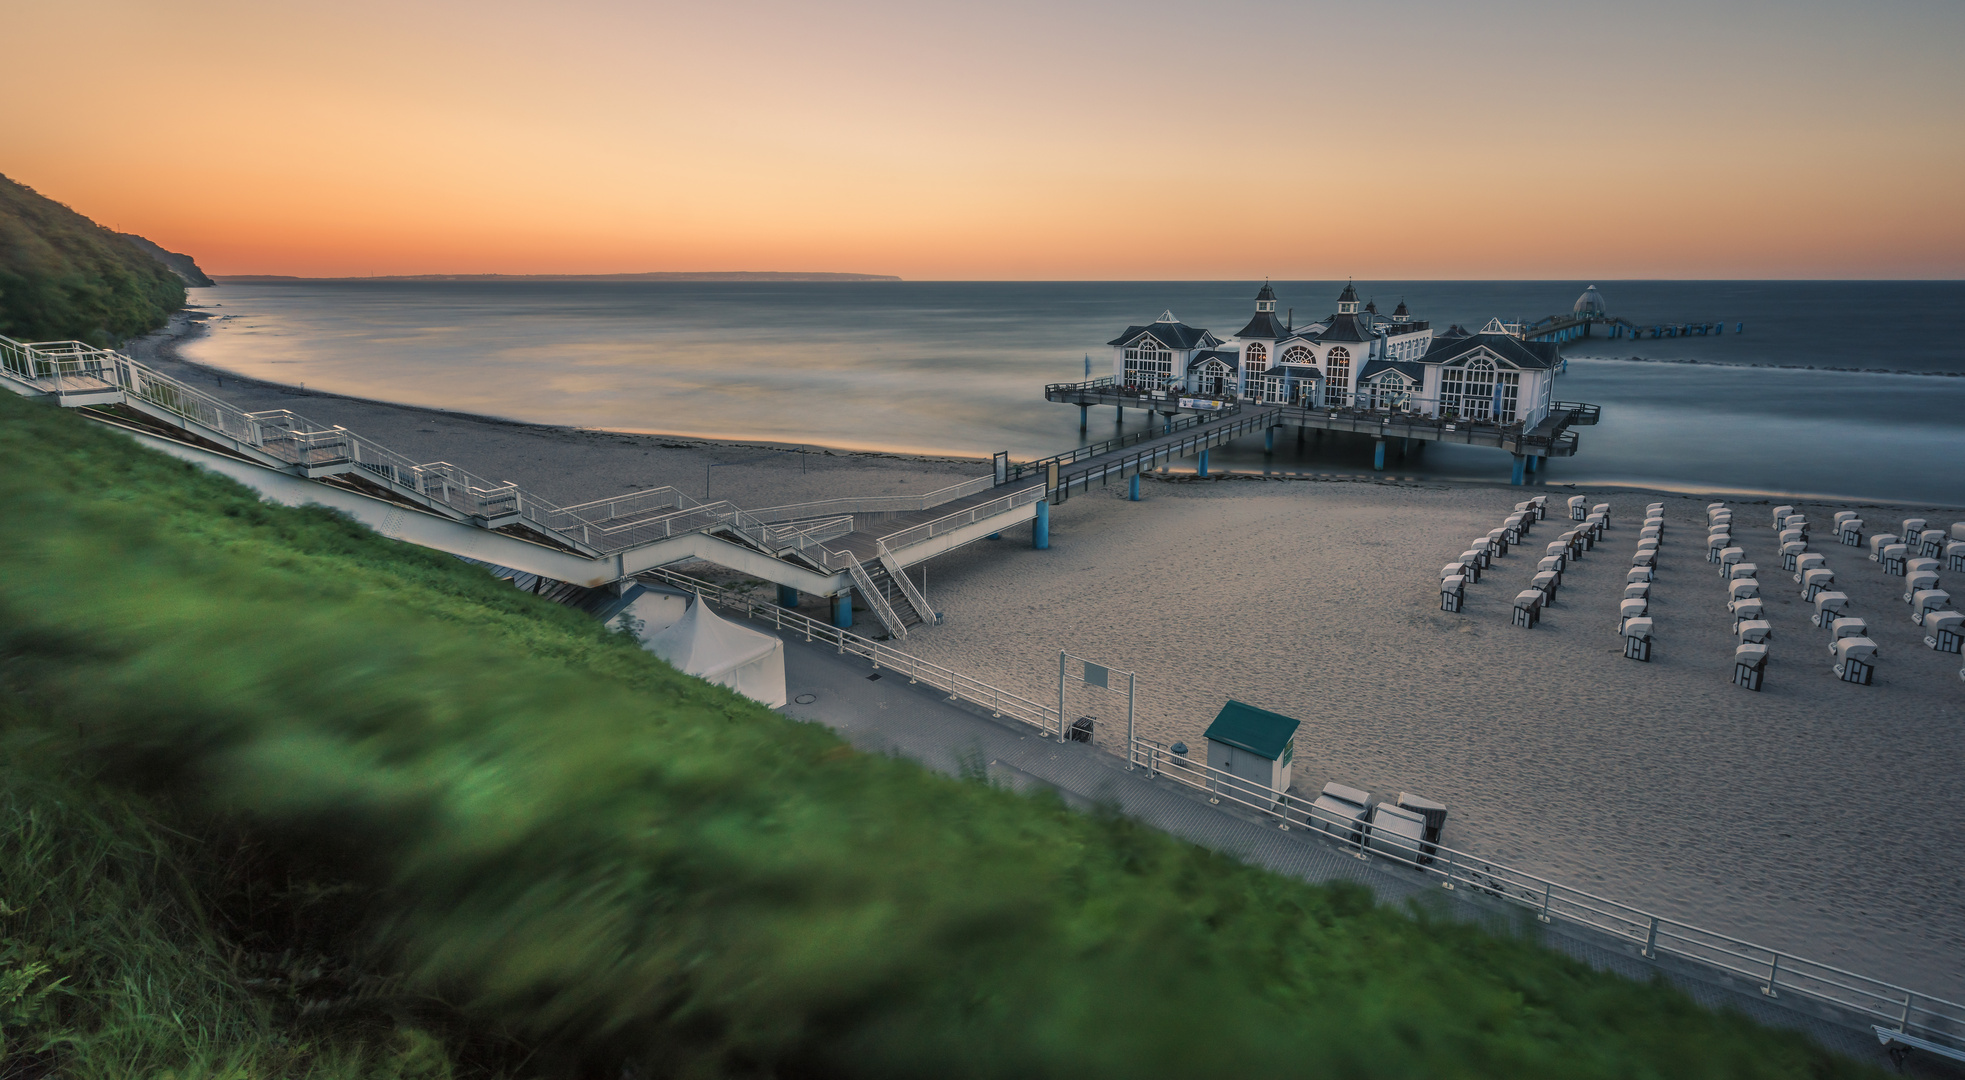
x,y
1269,440
1521,464
1084,417
1202,464
1532,463
1040,529
1170,423
1378,454
842,610
787,596
1739,328
1121,422
1132,488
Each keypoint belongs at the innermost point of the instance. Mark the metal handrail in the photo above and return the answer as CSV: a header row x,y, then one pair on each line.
x,y
915,534
1022,469
899,573
876,504
1777,971
881,608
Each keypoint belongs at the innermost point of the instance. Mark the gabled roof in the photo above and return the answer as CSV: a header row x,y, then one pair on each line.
x,y
1411,369
1174,335
1258,731
1539,355
1344,328
1265,326
1229,357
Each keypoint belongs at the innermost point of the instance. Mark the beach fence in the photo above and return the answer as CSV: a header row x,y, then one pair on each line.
x,y
1894,1011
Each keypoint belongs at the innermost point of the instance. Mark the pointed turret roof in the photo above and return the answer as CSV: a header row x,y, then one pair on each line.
x,y
1349,295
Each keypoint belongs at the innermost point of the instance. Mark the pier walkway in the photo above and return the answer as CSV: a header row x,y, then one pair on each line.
x,y
1551,437
833,548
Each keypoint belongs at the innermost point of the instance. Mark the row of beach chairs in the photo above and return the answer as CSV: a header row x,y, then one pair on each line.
x,y
1634,622
1914,555
1473,562
1407,830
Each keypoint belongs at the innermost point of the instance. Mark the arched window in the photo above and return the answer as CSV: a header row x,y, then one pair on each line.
x,y
1148,363
1214,379
1390,390
1298,354
1255,358
1337,377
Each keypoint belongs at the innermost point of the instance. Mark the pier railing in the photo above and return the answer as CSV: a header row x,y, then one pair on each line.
x,y
928,530
1019,470
875,504
1776,972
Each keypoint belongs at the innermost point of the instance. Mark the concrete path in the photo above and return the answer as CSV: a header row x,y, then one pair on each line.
x,y
886,714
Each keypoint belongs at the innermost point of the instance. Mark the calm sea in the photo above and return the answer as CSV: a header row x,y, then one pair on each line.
x,y
959,368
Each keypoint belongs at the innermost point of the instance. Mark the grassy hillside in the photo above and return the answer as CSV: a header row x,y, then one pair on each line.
x,y
533,834
63,276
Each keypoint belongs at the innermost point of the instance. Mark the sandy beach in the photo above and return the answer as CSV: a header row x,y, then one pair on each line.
x,y
1815,816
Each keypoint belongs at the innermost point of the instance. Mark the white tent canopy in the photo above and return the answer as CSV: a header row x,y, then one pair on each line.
x,y
745,660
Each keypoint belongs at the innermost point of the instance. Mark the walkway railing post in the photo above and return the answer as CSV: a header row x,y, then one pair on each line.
x,y
1651,941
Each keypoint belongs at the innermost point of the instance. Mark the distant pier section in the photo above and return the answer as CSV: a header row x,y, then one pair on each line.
x,y
1589,312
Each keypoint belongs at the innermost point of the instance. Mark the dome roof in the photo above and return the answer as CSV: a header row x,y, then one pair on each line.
x,y
1267,293
1590,303
1348,296
1401,309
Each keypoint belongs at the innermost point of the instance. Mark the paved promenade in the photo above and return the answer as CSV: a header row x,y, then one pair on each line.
x,y
914,721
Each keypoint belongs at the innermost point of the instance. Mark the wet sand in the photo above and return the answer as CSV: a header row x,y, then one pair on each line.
x,y
1815,816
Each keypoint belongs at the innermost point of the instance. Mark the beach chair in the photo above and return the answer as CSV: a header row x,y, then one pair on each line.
x,y
1828,606
1741,589
1397,833
1855,660
1850,532
1955,556
1743,570
1341,812
1807,561
1558,550
1944,631
1920,566
1604,509
1499,538
1931,544
1928,601
1791,554
1651,509
1746,608
1749,666
1816,581
1878,542
1637,639
1840,516
1579,542
1578,507
1453,593
1640,573
1648,545
1647,558
1528,608
1795,521
1482,552
1913,530
1781,512
1847,626
1789,536
1637,590
1753,631
1728,557
1631,609
1894,557
1651,532
1433,814
1918,581
1716,543
1547,582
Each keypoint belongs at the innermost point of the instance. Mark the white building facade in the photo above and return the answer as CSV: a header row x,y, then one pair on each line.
x,y
1353,358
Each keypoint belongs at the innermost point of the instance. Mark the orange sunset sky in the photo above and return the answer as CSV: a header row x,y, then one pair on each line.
x,y
1046,140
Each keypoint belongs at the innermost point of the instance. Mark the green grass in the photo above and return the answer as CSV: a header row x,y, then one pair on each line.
x,y
549,837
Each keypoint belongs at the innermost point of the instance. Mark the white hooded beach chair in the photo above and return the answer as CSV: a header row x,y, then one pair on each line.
x,y
1850,532
1753,631
1743,570
1944,631
1741,589
1602,508
1847,626
1528,608
1955,556
1342,812
1806,561
1471,560
1931,544
1917,582
1748,608
1880,541
1631,609
1397,833
1926,602
1578,507
1829,605
1547,582
1855,660
1789,536
1651,532
1816,581
1728,557
1637,639
1913,530
1499,539
1791,554
1453,593
1637,590
1646,557
1638,574
1795,521
1557,550
1894,558
1781,512
1749,665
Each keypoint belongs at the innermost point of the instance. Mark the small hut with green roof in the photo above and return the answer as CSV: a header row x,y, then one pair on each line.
x,y
1254,745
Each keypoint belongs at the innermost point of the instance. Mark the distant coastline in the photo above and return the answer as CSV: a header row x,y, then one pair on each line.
x,y
681,275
